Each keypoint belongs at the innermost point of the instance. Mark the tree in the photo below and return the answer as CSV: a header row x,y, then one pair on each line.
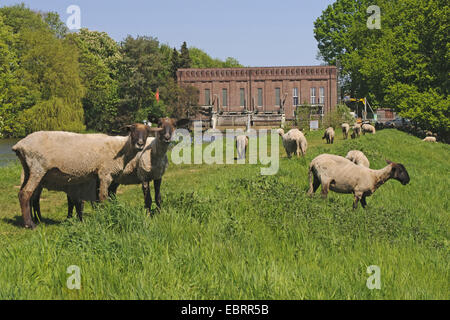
x,y
409,54
98,57
42,72
174,63
141,72
180,102
185,59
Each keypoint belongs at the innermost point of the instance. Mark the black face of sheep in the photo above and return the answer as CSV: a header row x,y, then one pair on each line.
x,y
167,127
139,133
399,172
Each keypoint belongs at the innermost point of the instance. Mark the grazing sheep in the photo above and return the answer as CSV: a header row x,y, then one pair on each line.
x,y
356,131
241,146
329,135
345,129
368,128
46,161
358,157
294,141
429,139
343,176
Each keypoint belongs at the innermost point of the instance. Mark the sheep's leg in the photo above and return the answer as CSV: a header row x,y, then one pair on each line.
x,y
363,201
70,206
157,184
147,196
314,183
25,195
105,182
358,197
36,207
79,206
325,187
112,190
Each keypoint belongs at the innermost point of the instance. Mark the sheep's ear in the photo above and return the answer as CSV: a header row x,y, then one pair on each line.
x,y
153,129
128,127
388,161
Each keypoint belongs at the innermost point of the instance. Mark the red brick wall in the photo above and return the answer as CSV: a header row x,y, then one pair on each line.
x,y
268,78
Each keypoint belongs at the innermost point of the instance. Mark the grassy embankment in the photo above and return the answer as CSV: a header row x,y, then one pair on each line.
x,y
227,232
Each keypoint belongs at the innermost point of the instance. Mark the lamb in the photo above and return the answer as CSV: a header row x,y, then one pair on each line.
x,y
358,157
241,146
429,139
329,135
368,128
294,141
46,162
152,163
343,176
345,129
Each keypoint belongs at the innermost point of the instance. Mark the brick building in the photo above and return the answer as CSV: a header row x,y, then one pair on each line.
x,y
268,94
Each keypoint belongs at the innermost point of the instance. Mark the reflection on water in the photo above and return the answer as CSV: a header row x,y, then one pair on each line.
x,y
6,154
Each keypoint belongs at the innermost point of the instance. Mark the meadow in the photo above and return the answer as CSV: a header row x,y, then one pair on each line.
x,y
227,232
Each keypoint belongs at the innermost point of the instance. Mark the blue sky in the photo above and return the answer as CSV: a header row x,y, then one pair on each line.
x,y
257,33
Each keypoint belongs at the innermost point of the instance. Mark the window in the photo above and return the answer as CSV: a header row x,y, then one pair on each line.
x,y
224,97
321,95
207,97
277,97
313,95
242,91
260,97
295,97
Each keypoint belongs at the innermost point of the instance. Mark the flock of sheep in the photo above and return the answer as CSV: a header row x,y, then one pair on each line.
x,y
90,167
351,174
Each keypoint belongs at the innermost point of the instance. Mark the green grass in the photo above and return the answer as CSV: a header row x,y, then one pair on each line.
x,y
226,232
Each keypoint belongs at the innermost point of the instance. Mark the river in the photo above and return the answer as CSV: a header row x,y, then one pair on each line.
x,y
6,154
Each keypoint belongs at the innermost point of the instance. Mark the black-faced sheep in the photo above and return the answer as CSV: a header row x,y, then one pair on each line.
x,y
343,176
46,161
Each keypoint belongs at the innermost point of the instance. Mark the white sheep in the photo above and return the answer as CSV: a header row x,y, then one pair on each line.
x,y
241,145
368,128
329,135
343,176
345,129
58,159
430,139
294,141
358,157
356,131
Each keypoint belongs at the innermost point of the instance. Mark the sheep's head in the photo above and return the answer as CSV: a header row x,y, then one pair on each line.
x,y
167,127
139,133
280,132
399,172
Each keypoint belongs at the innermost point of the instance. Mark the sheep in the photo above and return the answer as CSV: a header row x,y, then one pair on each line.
x,y
356,131
368,128
241,146
345,129
358,157
343,176
329,135
152,163
429,139
147,165
294,141
46,161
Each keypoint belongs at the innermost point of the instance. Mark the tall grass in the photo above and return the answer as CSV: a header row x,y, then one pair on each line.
x,y
227,232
